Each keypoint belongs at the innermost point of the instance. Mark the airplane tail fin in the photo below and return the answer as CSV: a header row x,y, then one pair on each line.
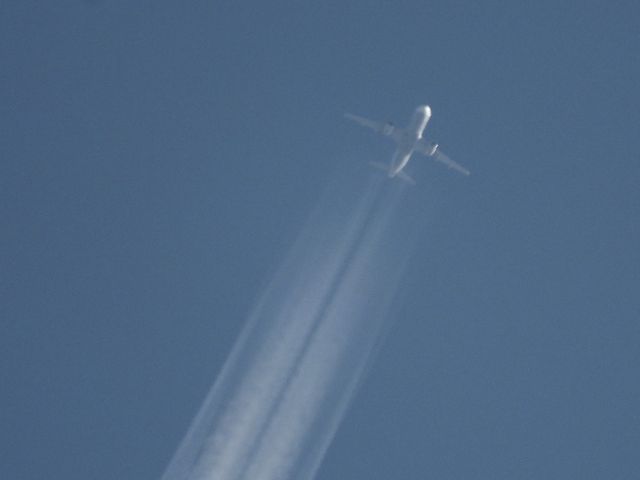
x,y
402,175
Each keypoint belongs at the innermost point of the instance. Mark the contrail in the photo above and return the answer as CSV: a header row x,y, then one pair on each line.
x,y
325,378
281,394
226,450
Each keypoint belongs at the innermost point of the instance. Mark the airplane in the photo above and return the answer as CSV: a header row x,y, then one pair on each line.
x,y
408,141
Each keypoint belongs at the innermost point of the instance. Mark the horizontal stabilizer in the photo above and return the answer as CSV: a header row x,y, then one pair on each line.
x,y
402,175
380,166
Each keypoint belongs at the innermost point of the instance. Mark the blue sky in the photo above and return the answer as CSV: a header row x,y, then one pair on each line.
x,y
158,158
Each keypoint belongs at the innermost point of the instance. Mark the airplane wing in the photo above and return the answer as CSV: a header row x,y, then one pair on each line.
x,y
442,158
387,129
365,122
433,151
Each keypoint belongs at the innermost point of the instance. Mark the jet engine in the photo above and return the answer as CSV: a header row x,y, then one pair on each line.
x,y
388,128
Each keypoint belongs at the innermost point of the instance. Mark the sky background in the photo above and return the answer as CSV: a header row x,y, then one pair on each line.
x,y
157,160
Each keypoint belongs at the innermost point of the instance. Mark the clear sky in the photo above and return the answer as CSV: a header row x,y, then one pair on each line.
x,y
158,158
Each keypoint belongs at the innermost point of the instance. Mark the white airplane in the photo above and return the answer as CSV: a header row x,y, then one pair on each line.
x,y
408,141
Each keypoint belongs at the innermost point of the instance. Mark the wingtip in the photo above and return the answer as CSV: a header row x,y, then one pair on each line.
x,y
460,169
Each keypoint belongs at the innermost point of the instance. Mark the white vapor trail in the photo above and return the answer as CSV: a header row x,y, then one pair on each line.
x,y
279,399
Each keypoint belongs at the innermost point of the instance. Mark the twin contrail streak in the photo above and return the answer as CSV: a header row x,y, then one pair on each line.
x,y
279,399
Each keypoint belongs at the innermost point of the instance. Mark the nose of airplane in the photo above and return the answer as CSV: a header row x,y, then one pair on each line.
x,y
425,110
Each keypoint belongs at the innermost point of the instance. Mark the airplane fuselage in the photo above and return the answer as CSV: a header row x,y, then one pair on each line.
x,y
411,135
408,141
